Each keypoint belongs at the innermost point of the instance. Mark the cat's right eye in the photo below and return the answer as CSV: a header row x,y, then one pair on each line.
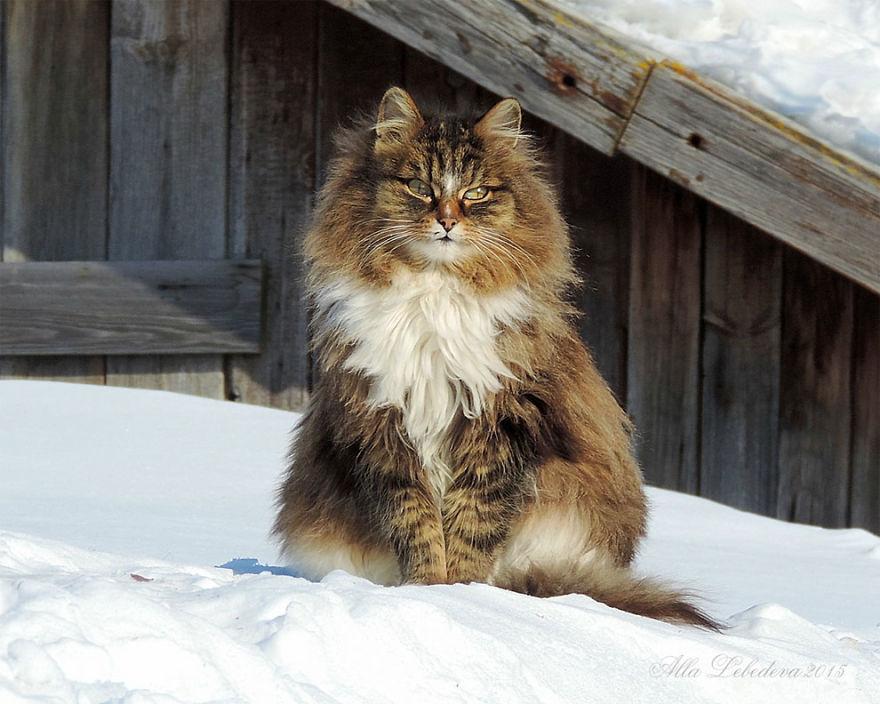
x,y
419,188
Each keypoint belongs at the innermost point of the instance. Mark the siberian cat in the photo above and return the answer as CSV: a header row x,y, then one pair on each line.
x,y
459,430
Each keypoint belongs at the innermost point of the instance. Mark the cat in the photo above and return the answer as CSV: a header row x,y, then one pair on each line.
x,y
459,430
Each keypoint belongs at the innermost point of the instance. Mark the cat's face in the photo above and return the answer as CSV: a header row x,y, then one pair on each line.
x,y
444,191
465,196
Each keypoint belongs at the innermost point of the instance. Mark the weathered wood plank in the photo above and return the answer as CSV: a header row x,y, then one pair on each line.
x,y
168,158
597,202
865,492
54,166
815,397
272,179
664,330
742,299
348,82
159,307
432,83
562,68
762,168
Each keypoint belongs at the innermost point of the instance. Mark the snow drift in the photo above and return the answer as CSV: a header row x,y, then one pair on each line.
x,y
174,485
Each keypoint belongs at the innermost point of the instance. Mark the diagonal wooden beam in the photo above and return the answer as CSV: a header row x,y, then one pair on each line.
x,y
560,67
760,167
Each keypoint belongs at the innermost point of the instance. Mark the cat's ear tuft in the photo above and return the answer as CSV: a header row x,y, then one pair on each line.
x,y
502,121
398,117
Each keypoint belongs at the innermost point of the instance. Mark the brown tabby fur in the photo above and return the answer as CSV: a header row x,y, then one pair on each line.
x,y
550,450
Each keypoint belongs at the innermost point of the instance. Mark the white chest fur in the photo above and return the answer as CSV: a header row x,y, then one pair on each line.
x,y
429,346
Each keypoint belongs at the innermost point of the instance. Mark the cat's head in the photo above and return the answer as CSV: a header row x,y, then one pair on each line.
x,y
464,195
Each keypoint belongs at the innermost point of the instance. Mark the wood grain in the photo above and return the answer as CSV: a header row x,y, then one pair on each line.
x,y
75,308
558,65
349,82
865,491
433,86
168,158
663,392
597,202
742,300
761,168
272,181
54,166
815,394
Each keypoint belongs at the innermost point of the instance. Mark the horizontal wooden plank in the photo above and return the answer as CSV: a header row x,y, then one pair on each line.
x,y
760,167
148,307
559,66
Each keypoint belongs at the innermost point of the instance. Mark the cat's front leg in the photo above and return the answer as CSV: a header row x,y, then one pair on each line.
x,y
411,520
478,511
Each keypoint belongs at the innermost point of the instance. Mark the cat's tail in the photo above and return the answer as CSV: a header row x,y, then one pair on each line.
x,y
614,586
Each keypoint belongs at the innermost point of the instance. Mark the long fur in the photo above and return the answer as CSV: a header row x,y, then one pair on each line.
x,y
459,430
614,586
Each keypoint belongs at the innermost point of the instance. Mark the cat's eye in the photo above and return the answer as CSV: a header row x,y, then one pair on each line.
x,y
419,188
477,193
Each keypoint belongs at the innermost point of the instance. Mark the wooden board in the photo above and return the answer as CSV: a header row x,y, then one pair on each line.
x,y
664,331
559,66
761,168
76,308
865,491
597,204
168,158
272,180
742,300
432,83
348,82
54,166
815,394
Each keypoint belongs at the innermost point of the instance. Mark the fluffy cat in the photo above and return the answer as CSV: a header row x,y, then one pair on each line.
x,y
459,430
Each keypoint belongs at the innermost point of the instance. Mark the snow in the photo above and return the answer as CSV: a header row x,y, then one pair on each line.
x,y
815,61
116,504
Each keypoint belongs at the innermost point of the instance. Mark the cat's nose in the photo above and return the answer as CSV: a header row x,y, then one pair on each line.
x,y
448,214
448,223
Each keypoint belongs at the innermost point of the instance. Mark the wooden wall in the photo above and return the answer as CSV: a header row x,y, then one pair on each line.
x,y
139,129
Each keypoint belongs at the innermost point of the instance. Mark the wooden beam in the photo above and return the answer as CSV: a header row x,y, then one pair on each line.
x,y
597,200
815,403
272,181
150,307
559,66
865,489
742,301
663,361
760,167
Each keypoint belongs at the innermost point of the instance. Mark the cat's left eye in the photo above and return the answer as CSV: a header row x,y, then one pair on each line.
x,y
477,193
419,188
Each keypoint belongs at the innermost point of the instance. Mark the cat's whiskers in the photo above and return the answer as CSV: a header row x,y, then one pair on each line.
x,y
507,242
493,244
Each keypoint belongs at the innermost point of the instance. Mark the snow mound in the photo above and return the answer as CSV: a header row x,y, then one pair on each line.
x,y
79,626
175,484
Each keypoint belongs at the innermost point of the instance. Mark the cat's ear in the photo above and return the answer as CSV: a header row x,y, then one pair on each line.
x,y
503,122
398,117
